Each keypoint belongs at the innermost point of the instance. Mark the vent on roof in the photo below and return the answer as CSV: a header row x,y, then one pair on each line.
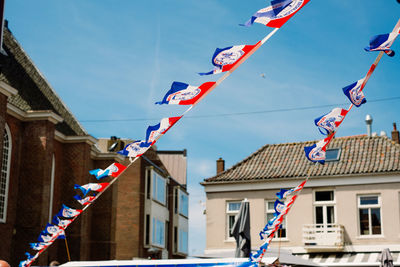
x,y
333,154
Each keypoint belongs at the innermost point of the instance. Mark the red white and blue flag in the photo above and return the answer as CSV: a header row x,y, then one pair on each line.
x,y
135,149
329,122
271,226
40,245
51,229
68,212
113,170
153,133
382,42
317,152
277,14
284,193
24,263
85,201
63,223
45,238
185,94
98,187
225,59
279,206
354,93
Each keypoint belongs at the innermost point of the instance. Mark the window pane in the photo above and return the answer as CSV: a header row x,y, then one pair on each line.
x,y
270,205
183,241
330,214
159,188
319,215
231,219
364,222
376,221
158,237
369,200
332,154
183,204
281,232
3,176
270,216
234,206
324,196
154,186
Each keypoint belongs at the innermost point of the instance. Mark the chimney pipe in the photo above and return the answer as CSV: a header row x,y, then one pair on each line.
x,y
368,121
395,134
220,165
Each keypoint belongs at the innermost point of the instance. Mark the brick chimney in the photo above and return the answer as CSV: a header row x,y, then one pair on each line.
x,y
395,134
220,165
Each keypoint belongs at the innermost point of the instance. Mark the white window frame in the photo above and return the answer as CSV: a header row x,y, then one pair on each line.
x,y
7,131
284,223
154,187
154,232
324,205
369,206
228,214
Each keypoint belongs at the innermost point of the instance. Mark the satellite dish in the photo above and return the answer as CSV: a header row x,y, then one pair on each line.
x,y
113,146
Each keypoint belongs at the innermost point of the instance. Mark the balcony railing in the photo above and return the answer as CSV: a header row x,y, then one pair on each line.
x,y
319,237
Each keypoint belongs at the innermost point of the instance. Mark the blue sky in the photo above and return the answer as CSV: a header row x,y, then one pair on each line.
x,y
111,60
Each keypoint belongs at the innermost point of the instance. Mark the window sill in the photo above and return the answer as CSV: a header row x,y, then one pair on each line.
x,y
283,239
156,246
370,236
230,240
160,203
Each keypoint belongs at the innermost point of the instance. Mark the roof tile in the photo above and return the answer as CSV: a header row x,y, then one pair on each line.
x,y
359,155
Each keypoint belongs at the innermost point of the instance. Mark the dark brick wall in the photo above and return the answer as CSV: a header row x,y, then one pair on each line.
x,y
33,187
75,170
129,212
102,244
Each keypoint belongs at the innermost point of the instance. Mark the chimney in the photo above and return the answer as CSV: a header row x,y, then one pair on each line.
x,y
368,121
220,165
395,134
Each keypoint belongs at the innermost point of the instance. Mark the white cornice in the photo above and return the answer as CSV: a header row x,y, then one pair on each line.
x,y
7,90
106,156
37,115
312,182
75,139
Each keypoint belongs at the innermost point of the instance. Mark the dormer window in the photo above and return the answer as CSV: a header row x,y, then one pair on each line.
x,y
333,154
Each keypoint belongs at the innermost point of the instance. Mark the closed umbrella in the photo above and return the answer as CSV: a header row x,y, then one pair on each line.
x,y
241,231
386,258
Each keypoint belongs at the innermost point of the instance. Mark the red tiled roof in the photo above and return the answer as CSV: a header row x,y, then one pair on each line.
x,y
359,155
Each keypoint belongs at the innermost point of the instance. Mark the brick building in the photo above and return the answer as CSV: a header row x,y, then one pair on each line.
x,y
44,152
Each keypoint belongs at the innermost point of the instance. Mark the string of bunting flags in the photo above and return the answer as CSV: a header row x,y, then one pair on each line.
x,y
224,60
328,124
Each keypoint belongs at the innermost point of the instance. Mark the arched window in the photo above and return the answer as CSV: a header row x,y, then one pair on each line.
x,y
5,173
